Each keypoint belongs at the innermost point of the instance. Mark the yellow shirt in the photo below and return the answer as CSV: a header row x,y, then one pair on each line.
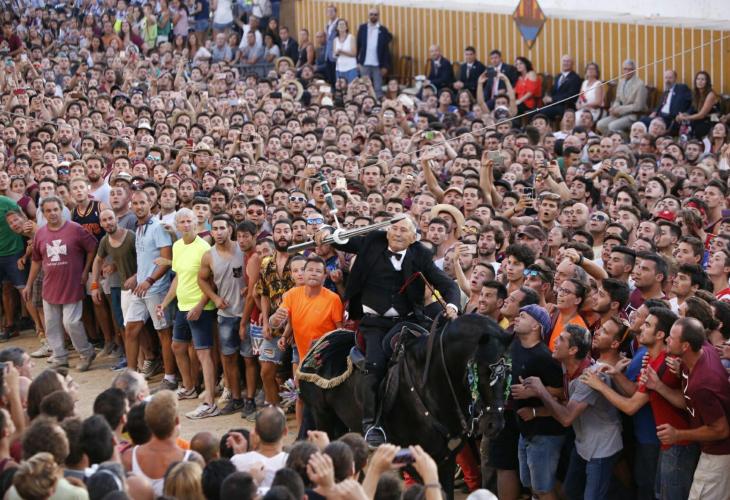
x,y
186,264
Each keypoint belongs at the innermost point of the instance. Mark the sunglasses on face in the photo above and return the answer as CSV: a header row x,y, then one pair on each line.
x,y
255,212
315,220
295,199
599,217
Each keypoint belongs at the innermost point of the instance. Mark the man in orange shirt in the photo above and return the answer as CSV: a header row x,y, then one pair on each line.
x,y
311,309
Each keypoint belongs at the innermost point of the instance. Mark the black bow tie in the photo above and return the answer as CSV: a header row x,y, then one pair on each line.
x,y
398,256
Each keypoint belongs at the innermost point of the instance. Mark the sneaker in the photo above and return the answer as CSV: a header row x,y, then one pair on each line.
x,y
183,393
225,397
108,349
8,333
260,399
43,351
118,351
165,385
249,408
58,363
203,411
121,365
150,368
232,406
85,363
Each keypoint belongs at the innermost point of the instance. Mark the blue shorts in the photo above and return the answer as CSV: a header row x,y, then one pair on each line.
x,y
539,457
246,348
216,26
349,76
10,273
230,340
270,351
199,331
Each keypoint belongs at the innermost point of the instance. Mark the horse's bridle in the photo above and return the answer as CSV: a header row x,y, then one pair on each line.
x,y
499,370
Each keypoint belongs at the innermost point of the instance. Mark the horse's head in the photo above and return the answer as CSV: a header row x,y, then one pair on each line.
x,y
488,376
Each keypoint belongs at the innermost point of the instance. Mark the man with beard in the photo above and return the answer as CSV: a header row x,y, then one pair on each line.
x,y
10,138
222,266
117,247
99,188
186,192
491,299
667,235
149,286
168,205
65,136
540,278
251,315
298,230
218,201
490,240
649,274
609,300
256,213
274,281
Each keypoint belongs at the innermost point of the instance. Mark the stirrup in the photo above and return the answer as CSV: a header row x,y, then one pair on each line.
x,y
375,436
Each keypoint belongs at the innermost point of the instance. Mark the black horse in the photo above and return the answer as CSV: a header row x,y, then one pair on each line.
x,y
462,392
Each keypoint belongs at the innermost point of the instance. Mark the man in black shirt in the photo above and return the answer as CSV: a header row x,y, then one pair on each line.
x,y
541,436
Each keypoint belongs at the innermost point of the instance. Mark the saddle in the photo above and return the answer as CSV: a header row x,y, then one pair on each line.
x,y
327,364
396,341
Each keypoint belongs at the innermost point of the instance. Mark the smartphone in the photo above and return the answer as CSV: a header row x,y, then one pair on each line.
x,y
233,102
341,184
528,192
403,457
496,158
19,91
429,135
472,248
612,171
325,89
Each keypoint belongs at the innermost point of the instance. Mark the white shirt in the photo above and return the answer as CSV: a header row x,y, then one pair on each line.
x,y
259,38
101,194
244,462
371,52
665,108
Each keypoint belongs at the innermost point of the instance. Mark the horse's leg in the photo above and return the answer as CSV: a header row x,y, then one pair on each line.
x,y
447,468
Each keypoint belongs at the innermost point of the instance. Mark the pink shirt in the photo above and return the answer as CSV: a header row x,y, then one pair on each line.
x,y
63,256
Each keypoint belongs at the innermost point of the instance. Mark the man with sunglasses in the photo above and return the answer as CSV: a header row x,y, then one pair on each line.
x,y
540,278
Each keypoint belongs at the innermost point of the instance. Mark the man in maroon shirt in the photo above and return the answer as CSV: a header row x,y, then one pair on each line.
x,y
707,399
65,251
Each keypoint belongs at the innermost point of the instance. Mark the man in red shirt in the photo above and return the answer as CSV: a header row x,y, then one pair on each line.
x,y
65,251
707,399
676,462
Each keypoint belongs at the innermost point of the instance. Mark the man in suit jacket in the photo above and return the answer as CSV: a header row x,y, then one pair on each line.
x,y
442,72
329,50
469,71
373,50
629,103
496,86
676,98
289,46
385,261
565,85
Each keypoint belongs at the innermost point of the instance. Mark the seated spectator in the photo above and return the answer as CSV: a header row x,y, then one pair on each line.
x,y
97,440
630,101
37,477
528,88
239,485
58,405
214,473
206,445
113,406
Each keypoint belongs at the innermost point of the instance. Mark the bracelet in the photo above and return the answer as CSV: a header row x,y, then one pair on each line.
x,y
95,285
150,280
432,485
580,261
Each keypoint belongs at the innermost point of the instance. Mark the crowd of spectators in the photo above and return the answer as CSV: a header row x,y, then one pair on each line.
x,y
157,160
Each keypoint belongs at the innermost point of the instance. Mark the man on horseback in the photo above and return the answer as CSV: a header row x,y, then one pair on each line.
x,y
382,293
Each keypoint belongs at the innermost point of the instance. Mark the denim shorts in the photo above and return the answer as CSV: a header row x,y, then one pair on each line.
x,y
216,26
199,331
230,340
270,351
246,349
539,457
9,271
349,76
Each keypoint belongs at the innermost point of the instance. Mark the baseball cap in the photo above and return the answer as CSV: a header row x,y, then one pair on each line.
x,y
540,315
666,215
532,232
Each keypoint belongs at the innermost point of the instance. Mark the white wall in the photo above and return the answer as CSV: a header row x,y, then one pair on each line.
x,y
705,13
